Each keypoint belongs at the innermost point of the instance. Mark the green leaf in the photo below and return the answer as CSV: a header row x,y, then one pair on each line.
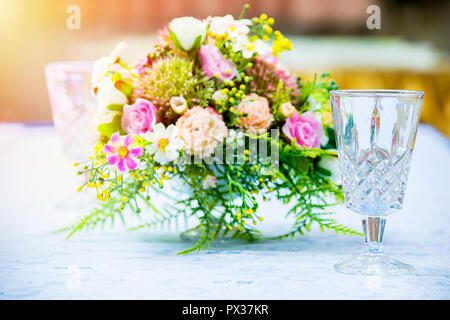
x,y
174,38
197,43
115,107
323,171
116,77
331,144
320,95
108,129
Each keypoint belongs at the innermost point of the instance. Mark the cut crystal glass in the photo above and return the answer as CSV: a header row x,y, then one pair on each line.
x,y
73,106
375,134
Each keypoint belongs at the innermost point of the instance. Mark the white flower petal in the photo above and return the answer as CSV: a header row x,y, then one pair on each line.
x,y
108,94
115,53
159,130
152,148
160,157
187,30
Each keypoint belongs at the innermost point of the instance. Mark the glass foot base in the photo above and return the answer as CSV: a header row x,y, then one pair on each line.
x,y
374,265
191,235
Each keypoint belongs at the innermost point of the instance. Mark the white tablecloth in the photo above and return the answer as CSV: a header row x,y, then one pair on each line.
x,y
37,192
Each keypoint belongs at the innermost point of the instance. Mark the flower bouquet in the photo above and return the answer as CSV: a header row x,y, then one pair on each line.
x,y
212,108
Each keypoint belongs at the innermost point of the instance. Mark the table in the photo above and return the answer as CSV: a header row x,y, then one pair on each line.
x,y
37,192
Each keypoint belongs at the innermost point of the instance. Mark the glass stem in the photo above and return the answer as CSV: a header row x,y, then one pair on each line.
x,y
373,233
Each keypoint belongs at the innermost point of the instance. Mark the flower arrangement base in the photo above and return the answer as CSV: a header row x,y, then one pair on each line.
x,y
191,235
194,234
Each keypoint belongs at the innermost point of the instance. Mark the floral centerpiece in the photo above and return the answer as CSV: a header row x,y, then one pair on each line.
x,y
212,107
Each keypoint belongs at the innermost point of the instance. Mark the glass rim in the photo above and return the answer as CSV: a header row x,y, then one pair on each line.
x,y
71,65
376,93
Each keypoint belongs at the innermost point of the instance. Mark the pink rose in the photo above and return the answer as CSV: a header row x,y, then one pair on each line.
x,y
259,118
214,63
305,129
139,117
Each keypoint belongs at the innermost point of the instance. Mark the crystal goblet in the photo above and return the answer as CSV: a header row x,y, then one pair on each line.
x,y
73,106
375,134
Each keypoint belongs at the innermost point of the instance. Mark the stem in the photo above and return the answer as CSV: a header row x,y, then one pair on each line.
x,y
244,10
373,233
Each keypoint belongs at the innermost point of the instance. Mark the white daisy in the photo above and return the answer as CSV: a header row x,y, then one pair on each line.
x,y
243,44
227,24
263,48
209,182
165,145
248,48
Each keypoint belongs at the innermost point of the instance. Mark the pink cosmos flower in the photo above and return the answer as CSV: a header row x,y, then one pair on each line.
x,y
139,117
305,129
214,63
119,152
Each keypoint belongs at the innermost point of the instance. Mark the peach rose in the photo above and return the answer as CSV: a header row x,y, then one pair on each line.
x,y
287,109
201,130
259,117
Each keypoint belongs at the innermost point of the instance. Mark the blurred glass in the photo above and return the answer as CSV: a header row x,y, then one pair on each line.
x,y
73,106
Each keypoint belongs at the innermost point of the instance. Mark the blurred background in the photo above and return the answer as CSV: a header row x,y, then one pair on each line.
x,y
409,51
